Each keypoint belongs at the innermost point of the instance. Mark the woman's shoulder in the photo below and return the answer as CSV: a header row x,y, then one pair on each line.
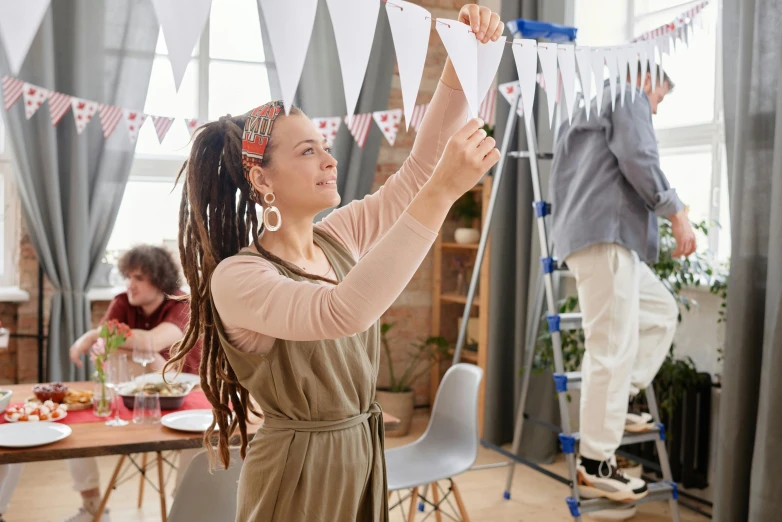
x,y
236,269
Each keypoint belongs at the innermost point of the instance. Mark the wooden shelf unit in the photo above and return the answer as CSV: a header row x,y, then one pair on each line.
x,y
448,306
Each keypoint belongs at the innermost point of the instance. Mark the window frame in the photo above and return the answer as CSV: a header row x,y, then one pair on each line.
x,y
9,277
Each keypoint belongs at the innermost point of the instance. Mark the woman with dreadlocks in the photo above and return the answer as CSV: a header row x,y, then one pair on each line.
x,y
292,319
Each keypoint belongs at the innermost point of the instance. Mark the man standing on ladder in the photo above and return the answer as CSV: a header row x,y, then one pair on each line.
x,y
607,191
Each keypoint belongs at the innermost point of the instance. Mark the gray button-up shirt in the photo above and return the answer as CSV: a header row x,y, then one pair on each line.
x,y
606,184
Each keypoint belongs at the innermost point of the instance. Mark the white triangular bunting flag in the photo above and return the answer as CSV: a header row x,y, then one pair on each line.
x,y
418,116
462,48
59,104
182,22
651,45
598,73
632,66
133,121
83,111
621,58
547,52
613,70
354,24
33,97
193,124
643,59
162,126
290,31
328,128
109,118
388,121
525,53
19,23
410,28
489,56
12,91
662,45
359,127
584,60
566,55
486,111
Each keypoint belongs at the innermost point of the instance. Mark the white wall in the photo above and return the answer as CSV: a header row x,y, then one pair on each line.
x,y
601,22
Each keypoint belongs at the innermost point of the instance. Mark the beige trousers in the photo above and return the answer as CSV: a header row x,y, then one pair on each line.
x,y
629,320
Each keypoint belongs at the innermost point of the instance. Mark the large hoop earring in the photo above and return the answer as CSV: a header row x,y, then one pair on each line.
x,y
268,211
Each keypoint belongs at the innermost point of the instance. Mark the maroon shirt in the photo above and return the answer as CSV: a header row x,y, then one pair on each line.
x,y
171,311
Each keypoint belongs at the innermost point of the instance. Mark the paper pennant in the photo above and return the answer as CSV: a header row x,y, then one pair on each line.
x,y
510,91
193,124
547,53
33,97
410,29
621,58
354,24
462,48
133,121
59,104
489,56
584,60
566,56
162,126
613,71
632,64
109,118
182,22
651,45
359,127
12,91
19,23
418,116
388,121
83,111
328,128
525,53
643,59
486,110
289,32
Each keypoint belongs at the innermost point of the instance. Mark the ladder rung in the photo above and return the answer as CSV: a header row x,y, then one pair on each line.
x,y
657,491
570,321
526,154
570,381
634,438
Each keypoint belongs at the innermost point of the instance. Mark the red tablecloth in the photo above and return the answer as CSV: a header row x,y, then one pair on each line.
x,y
196,400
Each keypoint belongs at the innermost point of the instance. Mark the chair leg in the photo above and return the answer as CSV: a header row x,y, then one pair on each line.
x,y
413,499
436,498
459,502
143,477
161,487
109,488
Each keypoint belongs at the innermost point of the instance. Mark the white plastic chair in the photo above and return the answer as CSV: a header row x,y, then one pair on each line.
x,y
205,494
448,447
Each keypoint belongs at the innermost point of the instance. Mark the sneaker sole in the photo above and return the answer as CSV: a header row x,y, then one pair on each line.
x,y
617,496
639,428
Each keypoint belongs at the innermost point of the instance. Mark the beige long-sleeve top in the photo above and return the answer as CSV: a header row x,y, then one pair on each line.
x,y
258,305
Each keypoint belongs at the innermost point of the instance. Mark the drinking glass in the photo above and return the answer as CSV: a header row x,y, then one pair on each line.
x,y
143,351
146,408
116,368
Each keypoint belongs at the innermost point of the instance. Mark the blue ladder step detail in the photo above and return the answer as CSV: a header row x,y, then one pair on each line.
x,y
560,382
661,427
568,443
553,322
506,495
658,491
421,507
674,489
549,265
542,208
572,504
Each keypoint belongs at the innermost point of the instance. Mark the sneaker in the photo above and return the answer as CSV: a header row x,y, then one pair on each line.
x,y
638,421
85,516
604,479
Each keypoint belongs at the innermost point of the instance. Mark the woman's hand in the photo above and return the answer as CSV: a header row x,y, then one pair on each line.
x,y
487,27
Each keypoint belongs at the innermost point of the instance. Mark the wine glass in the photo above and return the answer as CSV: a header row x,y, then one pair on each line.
x,y
143,353
116,375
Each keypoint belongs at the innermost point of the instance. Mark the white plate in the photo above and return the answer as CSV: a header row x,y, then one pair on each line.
x,y
30,434
184,378
196,421
61,417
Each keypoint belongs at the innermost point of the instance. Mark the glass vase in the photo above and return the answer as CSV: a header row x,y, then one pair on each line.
x,y
101,396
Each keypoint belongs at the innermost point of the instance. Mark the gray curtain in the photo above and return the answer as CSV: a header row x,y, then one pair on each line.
x,y
321,94
71,185
750,431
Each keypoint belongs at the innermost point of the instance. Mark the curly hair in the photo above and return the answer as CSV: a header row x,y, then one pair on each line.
x,y
154,262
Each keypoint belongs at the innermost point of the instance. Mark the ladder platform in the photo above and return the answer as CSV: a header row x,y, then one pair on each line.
x,y
570,321
526,154
657,432
657,491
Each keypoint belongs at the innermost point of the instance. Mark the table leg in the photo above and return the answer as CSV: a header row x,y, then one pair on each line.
x,y
143,479
109,488
161,487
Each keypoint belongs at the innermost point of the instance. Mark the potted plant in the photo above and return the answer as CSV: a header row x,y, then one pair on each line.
x,y
399,399
467,210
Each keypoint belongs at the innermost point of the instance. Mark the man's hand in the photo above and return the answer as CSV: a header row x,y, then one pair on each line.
x,y
82,346
683,234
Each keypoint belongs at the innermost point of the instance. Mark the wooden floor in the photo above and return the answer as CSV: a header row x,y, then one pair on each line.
x,y
45,494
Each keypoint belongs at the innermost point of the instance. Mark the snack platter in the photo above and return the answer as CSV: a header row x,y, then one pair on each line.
x,y
49,411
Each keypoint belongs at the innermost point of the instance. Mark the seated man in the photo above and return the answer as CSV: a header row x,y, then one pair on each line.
x,y
154,316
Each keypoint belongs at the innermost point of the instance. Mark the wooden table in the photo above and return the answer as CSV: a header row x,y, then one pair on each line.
x,y
95,439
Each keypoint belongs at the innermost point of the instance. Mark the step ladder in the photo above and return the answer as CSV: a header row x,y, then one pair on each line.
x,y
557,322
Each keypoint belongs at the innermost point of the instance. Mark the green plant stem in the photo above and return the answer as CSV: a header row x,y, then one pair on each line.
x,y
387,349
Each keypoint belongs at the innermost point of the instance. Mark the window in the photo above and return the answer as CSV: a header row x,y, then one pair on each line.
x,y
689,122
227,75
9,216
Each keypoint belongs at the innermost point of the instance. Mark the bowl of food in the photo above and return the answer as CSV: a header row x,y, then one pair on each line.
x,y
172,395
5,399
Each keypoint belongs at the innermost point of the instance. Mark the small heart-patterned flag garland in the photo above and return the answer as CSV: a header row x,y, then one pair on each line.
x,y
359,127
134,120
328,127
193,124
418,116
83,111
33,97
109,118
162,125
388,121
509,91
12,91
486,111
59,104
